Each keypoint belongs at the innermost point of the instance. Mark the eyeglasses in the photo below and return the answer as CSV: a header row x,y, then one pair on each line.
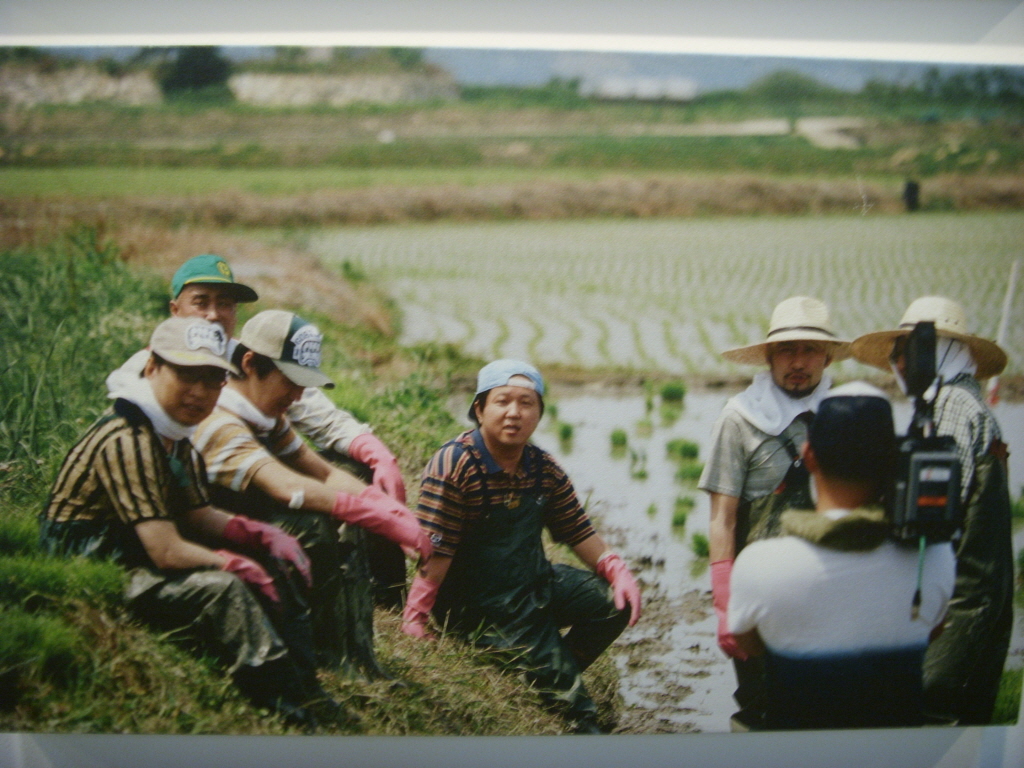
x,y
208,375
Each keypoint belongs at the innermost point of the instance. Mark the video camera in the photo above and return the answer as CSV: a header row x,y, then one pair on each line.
x,y
925,501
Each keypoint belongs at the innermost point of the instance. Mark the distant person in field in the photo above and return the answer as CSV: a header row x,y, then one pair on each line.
x,y
754,471
257,463
831,604
486,497
963,667
205,286
133,489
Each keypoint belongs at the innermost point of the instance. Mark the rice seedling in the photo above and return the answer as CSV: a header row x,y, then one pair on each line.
x,y
565,432
652,510
619,438
699,544
637,464
673,392
681,449
689,472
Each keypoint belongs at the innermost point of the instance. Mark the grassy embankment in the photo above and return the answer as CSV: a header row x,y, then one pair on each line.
x,y
70,657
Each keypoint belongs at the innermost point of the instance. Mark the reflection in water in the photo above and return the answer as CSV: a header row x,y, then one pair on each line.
x,y
674,677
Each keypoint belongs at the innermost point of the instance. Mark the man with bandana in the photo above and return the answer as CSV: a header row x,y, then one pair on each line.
x,y
258,463
486,498
963,667
133,490
754,472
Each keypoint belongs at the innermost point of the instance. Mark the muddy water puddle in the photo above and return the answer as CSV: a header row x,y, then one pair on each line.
x,y
674,678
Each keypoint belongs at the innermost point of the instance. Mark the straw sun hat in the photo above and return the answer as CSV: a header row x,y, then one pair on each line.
x,y
950,321
798,318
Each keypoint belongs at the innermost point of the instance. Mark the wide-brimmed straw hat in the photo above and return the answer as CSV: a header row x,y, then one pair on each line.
x,y
798,318
950,321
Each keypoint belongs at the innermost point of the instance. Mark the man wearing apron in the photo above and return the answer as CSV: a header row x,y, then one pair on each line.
x,y
754,472
485,499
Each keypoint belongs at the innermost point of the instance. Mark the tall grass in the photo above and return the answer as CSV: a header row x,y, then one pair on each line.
x,y
68,316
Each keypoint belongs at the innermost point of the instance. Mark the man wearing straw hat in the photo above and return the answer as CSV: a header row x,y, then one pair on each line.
x,y
754,472
963,667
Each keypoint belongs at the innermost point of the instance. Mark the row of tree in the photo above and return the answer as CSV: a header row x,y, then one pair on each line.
x,y
205,69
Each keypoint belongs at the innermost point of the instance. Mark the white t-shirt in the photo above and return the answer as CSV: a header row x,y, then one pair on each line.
x,y
805,599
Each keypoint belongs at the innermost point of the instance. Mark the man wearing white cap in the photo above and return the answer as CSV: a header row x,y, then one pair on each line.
x,y
133,490
754,471
963,667
841,612
485,498
258,463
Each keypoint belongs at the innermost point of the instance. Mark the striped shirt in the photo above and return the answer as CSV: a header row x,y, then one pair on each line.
x,y
119,472
463,478
234,449
961,412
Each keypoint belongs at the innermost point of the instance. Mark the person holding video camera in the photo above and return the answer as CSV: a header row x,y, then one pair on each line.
x,y
963,667
839,609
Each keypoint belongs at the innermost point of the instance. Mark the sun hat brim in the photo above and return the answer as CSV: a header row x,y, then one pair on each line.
x,y
757,354
874,349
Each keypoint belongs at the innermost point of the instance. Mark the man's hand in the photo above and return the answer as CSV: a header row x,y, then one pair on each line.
x,y
721,571
379,513
418,605
250,572
246,532
367,449
624,587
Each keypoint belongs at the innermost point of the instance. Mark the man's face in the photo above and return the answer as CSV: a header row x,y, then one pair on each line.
x,y
797,366
898,356
509,416
187,393
274,393
210,301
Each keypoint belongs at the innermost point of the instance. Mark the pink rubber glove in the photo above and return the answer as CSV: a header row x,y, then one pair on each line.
x,y
369,450
721,570
418,606
624,587
379,513
246,532
250,572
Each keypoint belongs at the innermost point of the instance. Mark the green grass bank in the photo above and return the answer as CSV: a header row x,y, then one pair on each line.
x,y
71,659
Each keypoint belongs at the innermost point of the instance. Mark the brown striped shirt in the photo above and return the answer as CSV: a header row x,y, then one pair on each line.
x,y
453,492
233,450
119,472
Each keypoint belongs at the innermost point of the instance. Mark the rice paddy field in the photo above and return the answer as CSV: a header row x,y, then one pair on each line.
x,y
670,295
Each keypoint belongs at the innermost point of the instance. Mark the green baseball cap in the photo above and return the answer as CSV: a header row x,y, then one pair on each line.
x,y
209,268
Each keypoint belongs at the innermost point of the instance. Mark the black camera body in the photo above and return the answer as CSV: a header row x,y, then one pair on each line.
x,y
925,499
926,495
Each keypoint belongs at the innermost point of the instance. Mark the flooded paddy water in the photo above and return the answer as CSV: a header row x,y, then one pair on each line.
x,y
674,679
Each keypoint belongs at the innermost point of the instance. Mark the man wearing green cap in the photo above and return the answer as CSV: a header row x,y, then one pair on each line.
x,y
258,464
205,286
133,490
485,499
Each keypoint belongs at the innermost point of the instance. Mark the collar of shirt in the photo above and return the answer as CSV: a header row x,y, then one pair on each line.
x,y
492,466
